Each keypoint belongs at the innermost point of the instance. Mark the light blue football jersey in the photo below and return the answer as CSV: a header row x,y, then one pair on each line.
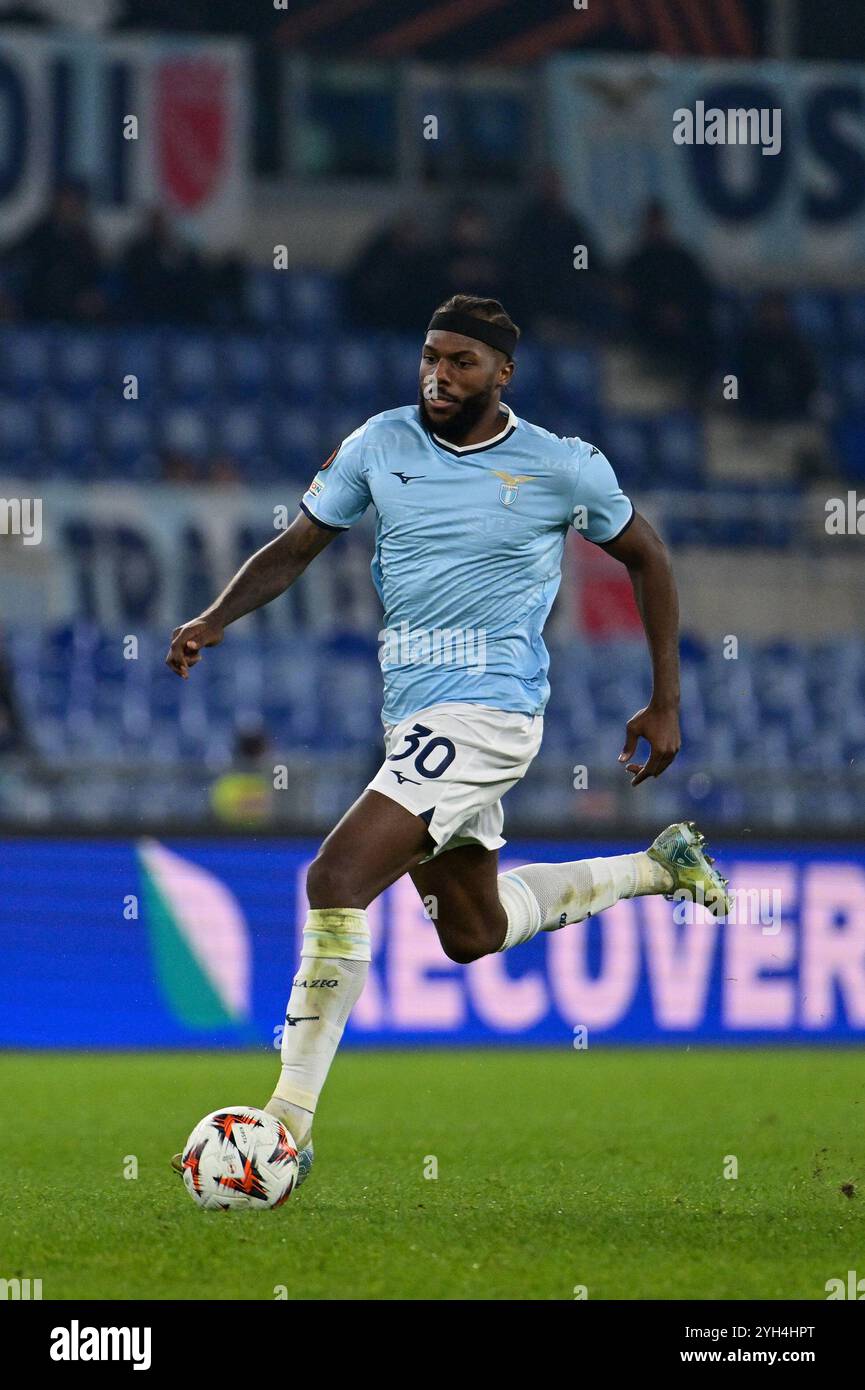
x,y
468,550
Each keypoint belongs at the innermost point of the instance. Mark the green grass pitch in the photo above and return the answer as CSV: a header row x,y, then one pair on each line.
x,y
601,1168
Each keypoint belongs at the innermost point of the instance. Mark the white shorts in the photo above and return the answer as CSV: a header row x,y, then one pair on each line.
x,y
452,763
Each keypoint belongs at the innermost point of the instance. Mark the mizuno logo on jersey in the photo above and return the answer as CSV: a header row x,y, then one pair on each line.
x,y
401,777
511,485
407,477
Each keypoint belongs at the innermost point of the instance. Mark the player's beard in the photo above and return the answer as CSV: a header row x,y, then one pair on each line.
x,y
462,421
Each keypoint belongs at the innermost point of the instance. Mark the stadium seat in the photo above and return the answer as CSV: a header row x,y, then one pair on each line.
x,y
27,358
69,433
311,300
184,429
627,443
851,320
246,366
138,352
573,375
528,381
127,432
678,450
20,435
355,377
295,441
240,431
263,295
816,315
852,382
849,439
192,364
300,372
81,364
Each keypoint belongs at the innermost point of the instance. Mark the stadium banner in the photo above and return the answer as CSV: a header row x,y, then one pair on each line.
x,y
753,157
126,556
144,122
194,943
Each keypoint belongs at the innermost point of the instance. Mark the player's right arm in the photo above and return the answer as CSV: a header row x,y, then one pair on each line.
x,y
336,498
264,576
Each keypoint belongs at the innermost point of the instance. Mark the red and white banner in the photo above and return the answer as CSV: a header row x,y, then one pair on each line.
x,y
144,122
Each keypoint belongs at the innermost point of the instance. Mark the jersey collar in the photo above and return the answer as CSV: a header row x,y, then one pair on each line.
x,y
505,433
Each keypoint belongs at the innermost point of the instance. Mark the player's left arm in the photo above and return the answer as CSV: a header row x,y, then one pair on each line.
x,y
643,553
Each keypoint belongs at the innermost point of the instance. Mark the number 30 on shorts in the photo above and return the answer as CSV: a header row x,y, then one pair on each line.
x,y
437,749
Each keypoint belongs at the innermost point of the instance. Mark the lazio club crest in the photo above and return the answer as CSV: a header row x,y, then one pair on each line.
x,y
510,485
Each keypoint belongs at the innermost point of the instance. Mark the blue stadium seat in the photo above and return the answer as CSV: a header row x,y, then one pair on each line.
x,y
401,362
68,431
192,367
295,440
627,443
300,373
566,421
355,374
852,322
138,352
81,361
20,435
127,431
849,439
340,424
311,299
184,430
240,431
246,366
573,376
523,394
852,382
816,314
27,358
263,295
678,449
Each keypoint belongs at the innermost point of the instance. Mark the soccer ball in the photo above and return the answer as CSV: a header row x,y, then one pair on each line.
x,y
240,1157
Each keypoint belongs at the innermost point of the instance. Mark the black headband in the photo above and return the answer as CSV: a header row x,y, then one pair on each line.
x,y
455,321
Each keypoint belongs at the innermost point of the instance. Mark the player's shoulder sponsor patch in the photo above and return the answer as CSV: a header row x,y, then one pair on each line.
x,y
315,487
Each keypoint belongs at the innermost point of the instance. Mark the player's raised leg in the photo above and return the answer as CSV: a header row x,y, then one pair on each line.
x,y
478,910
375,843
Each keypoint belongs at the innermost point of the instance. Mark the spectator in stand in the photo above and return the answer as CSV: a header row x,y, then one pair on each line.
x,y
668,299
472,260
57,264
244,794
778,377
551,296
388,284
164,280
12,735
226,290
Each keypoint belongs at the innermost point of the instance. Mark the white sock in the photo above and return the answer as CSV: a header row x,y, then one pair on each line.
x,y
332,972
544,897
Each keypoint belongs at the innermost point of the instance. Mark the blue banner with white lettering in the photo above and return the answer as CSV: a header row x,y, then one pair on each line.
x,y
194,943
